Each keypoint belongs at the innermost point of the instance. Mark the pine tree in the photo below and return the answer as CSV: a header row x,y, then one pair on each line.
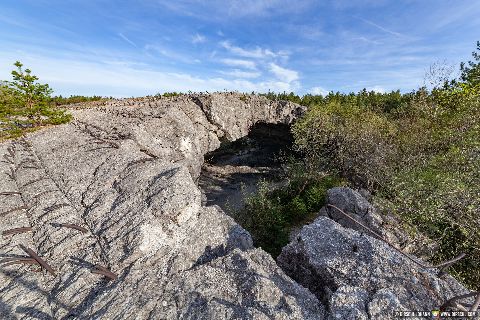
x,y
30,98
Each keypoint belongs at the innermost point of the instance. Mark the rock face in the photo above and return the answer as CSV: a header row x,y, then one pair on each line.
x,y
355,275
127,172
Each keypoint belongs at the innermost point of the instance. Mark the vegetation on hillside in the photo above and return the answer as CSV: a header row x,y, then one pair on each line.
x,y
418,153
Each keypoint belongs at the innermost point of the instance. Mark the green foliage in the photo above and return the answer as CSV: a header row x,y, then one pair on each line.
x,y
244,98
26,104
347,139
370,99
471,70
59,100
270,214
419,151
170,94
28,96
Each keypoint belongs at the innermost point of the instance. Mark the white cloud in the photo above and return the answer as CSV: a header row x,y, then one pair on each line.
x,y
377,89
240,63
283,73
257,53
198,38
319,90
242,74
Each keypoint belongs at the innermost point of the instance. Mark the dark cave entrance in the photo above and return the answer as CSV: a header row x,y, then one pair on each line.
x,y
234,170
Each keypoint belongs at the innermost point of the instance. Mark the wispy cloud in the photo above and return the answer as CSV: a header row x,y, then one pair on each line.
x,y
240,63
367,40
174,56
302,45
242,74
396,34
126,80
121,35
257,53
198,38
378,89
234,9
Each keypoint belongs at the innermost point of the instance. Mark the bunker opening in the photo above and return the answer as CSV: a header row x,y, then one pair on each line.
x,y
234,170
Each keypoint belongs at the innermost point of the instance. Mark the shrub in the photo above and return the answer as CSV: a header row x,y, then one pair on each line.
x,y
349,140
270,214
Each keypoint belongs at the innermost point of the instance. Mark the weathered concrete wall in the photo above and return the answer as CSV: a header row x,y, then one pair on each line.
x,y
126,173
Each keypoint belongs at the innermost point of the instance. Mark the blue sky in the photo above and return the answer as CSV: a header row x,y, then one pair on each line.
x,y
140,47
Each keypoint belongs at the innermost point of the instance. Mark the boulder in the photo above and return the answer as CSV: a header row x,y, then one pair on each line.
x,y
341,200
357,276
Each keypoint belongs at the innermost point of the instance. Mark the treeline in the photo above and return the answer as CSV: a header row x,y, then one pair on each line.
x,y
59,100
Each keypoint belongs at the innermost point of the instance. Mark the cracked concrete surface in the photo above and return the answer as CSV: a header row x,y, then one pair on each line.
x,y
127,172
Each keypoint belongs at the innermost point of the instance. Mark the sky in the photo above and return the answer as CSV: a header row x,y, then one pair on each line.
x,y
144,47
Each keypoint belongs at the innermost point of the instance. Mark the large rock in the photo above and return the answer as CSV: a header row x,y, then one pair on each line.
x,y
357,276
127,172
341,200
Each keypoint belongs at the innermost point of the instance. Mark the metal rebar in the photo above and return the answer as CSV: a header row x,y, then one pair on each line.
x,y
73,226
379,236
21,261
9,193
8,159
13,210
104,271
40,261
16,258
452,301
444,265
16,231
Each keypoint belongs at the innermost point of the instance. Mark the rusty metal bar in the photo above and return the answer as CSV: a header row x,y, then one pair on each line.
x,y
21,261
16,231
13,210
8,193
104,271
73,226
40,261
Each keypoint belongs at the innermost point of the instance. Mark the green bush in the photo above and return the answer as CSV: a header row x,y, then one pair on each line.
x,y
352,141
270,214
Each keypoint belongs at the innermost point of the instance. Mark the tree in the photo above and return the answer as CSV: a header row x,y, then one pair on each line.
x,y
29,97
26,104
470,71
